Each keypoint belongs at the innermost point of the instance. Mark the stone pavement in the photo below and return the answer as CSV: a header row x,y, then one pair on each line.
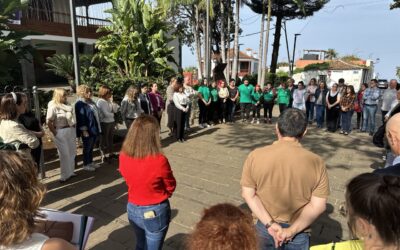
x,y
208,169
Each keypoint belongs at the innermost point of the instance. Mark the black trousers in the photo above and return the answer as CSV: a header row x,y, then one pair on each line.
x,y
332,117
203,115
245,110
282,107
179,126
223,106
383,115
256,111
213,112
268,107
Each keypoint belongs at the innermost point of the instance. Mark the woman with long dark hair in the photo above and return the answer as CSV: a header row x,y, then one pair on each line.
x,y
181,102
204,104
150,182
358,105
347,107
332,108
269,102
320,103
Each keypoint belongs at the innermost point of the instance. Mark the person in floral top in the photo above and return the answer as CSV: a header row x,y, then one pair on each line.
x,y
358,105
347,108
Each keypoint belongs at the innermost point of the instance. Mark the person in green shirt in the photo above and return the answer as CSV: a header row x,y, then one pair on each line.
x,y
257,97
245,99
283,97
213,109
269,96
204,103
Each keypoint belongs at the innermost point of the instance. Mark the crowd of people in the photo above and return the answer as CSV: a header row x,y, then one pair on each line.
x,y
285,200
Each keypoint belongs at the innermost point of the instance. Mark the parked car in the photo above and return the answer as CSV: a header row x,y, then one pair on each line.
x,y
383,83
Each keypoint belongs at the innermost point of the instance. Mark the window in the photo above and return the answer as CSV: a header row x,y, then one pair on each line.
x,y
244,66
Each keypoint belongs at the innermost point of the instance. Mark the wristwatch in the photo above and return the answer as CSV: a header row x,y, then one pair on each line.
x,y
269,224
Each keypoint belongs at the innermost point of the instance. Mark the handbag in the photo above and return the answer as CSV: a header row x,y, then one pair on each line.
x,y
378,137
55,229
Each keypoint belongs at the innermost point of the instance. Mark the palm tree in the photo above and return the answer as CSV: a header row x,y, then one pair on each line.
x,y
331,54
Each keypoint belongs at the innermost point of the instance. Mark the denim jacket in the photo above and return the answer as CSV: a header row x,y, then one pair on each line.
x,y
318,92
86,119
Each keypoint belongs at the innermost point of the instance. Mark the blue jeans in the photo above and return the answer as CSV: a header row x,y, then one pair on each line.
x,y
346,121
300,242
320,115
88,146
231,110
369,113
150,232
310,111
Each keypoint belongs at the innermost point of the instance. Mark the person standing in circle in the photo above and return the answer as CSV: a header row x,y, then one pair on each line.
x,y
245,92
269,98
332,108
87,125
283,97
130,106
150,182
107,109
181,111
204,104
233,96
61,122
157,102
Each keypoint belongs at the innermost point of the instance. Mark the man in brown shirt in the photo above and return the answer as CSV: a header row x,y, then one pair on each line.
x,y
285,185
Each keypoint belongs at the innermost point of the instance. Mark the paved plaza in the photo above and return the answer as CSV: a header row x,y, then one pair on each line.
x,y
208,168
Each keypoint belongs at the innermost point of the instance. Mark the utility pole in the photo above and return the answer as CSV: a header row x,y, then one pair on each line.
x,y
207,62
294,49
264,72
288,53
74,42
261,47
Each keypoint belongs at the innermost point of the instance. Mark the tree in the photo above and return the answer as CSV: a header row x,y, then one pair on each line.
x,y
395,4
398,72
350,58
331,54
11,48
286,10
136,44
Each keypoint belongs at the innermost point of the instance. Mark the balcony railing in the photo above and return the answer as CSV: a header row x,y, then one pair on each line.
x,y
41,15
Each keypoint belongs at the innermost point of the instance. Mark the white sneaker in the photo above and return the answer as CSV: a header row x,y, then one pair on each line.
x,y
89,168
258,121
252,121
208,125
201,125
95,165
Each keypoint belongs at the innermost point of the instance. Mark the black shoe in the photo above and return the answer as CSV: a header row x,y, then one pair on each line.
x,y
371,133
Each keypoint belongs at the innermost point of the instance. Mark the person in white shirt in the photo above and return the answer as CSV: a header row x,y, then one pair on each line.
x,y
181,102
223,94
393,105
130,106
299,99
107,110
388,97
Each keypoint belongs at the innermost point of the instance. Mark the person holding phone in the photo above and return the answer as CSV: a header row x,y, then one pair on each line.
x,y
150,182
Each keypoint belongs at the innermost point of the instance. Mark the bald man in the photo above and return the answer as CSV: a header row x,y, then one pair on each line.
x,y
393,138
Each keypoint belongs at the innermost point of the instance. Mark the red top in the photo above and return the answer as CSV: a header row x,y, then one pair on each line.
x,y
150,180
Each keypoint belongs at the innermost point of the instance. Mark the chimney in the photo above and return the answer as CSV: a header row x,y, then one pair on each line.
x,y
249,52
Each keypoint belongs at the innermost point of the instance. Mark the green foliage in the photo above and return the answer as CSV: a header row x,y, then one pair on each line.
x,y
395,4
331,54
283,64
136,43
190,69
349,58
298,70
11,48
61,65
317,66
398,72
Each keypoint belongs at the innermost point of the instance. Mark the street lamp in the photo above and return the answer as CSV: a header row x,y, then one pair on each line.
x,y
294,50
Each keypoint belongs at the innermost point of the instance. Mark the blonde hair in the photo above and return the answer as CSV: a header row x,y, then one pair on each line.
x,y
82,90
143,138
20,196
132,93
58,95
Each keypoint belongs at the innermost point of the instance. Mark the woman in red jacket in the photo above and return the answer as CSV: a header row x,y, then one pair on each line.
x,y
150,182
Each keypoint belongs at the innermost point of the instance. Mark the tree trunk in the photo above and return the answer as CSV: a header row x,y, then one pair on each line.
x,y
228,42
277,38
197,42
266,46
261,49
236,41
223,30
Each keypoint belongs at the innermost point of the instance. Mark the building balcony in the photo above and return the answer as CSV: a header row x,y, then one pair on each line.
x,y
49,22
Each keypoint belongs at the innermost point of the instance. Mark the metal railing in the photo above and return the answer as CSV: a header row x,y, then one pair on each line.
x,y
50,16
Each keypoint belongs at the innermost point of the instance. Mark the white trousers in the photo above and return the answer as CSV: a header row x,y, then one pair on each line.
x,y
65,141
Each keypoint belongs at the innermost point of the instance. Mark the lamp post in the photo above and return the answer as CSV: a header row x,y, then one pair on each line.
x,y
294,50
74,42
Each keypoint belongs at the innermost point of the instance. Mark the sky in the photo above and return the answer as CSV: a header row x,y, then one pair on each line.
x,y
365,28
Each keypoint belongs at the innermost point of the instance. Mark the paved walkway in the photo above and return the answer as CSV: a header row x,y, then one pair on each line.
x,y
208,169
